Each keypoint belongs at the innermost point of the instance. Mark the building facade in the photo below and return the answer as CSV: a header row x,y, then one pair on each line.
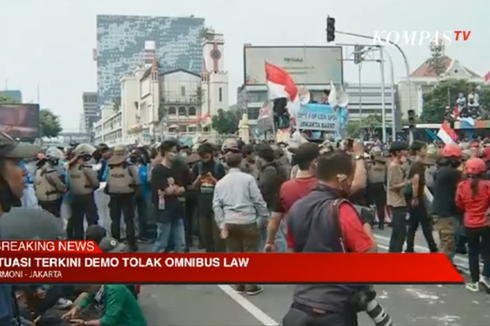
x,y
14,95
91,112
121,47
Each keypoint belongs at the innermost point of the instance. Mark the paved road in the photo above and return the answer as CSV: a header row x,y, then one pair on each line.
x,y
422,305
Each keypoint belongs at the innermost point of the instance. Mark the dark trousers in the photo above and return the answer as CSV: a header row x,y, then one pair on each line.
x,y
377,193
300,315
399,228
419,216
210,234
81,206
243,238
123,205
142,209
190,214
52,206
478,244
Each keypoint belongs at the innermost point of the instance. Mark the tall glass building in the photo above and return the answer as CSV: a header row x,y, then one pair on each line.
x,y
121,45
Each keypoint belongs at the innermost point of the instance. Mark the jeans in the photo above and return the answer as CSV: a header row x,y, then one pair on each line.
x,y
167,230
280,240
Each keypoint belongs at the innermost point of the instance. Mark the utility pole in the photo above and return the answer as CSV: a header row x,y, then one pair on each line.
x,y
358,58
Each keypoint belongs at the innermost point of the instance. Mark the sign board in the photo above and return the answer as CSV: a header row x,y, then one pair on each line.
x,y
321,117
307,65
20,121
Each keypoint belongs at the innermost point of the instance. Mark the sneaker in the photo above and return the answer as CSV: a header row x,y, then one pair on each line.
x,y
63,304
254,290
473,287
485,281
240,288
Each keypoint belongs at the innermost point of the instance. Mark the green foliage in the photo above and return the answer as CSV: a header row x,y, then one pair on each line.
x,y
444,94
355,128
116,104
437,60
49,123
225,122
4,99
207,33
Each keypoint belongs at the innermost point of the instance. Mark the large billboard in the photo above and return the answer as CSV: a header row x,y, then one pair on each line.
x,y
307,65
20,120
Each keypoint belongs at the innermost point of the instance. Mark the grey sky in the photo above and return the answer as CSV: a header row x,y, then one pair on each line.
x,y
50,42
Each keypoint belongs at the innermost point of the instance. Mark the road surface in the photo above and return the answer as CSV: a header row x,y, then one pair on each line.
x,y
421,305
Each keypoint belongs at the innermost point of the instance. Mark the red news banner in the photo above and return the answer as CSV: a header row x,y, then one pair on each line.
x,y
44,262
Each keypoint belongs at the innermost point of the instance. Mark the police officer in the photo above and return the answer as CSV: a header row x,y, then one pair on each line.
x,y
319,222
48,184
82,180
123,184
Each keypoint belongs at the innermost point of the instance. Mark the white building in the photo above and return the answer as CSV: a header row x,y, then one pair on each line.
x,y
176,103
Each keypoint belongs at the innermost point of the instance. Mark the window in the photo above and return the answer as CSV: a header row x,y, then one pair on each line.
x,y
172,110
220,94
182,111
183,128
192,111
182,90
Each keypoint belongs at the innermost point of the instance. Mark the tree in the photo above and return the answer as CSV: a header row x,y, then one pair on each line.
x,y
437,61
4,99
49,123
207,33
445,94
116,104
225,122
353,129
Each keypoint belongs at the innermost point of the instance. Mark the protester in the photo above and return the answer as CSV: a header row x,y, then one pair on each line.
x,y
168,185
473,197
376,188
415,199
305,157
120,306
396,195
324,221
238,209
444,210
205,174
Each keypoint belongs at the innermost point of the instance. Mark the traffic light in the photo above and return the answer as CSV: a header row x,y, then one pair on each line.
x,y
411,120
330,29
358,52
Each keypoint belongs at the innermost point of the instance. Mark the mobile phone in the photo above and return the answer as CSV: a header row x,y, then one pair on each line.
x,y
204,173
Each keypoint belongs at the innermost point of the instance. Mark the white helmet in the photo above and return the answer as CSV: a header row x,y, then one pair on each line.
x,y
54,153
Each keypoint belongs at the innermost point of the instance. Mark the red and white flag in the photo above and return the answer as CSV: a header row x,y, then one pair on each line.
x,y
281,85
486,78
447,135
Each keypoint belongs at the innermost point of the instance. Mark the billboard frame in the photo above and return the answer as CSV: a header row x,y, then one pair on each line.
x,y
248,46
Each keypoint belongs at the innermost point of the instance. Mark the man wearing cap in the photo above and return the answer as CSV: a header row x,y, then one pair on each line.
x,y
123,184
305,157
12,185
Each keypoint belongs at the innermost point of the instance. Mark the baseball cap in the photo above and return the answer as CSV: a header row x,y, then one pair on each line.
x,y
30,224
305,152
9,148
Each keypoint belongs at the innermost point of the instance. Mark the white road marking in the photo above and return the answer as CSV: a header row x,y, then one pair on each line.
x,y
255,311
267,320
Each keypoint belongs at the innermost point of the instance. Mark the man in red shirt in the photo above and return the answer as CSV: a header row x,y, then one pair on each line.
x,y
305,157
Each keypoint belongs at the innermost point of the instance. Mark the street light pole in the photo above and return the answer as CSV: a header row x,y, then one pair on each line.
x,y
383,100
407,66
393,109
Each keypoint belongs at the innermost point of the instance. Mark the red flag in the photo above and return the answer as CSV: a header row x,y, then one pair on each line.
x,y
280,83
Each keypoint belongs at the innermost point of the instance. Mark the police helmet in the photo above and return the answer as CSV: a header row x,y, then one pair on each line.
x,y
84,150
54,153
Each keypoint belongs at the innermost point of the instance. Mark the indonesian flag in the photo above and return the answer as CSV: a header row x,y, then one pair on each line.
x,y
447,135
281,85
486,78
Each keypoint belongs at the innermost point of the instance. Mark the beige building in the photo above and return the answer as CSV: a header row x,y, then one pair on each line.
x,y
424,79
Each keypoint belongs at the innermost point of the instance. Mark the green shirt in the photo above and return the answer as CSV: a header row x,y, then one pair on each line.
x,y
120,307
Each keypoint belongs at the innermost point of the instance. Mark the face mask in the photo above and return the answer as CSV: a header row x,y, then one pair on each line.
x,y
183,155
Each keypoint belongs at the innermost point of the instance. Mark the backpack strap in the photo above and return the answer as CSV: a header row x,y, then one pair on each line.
x,y
334,207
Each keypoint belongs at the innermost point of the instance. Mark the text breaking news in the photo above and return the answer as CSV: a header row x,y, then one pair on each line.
x,y
48,262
